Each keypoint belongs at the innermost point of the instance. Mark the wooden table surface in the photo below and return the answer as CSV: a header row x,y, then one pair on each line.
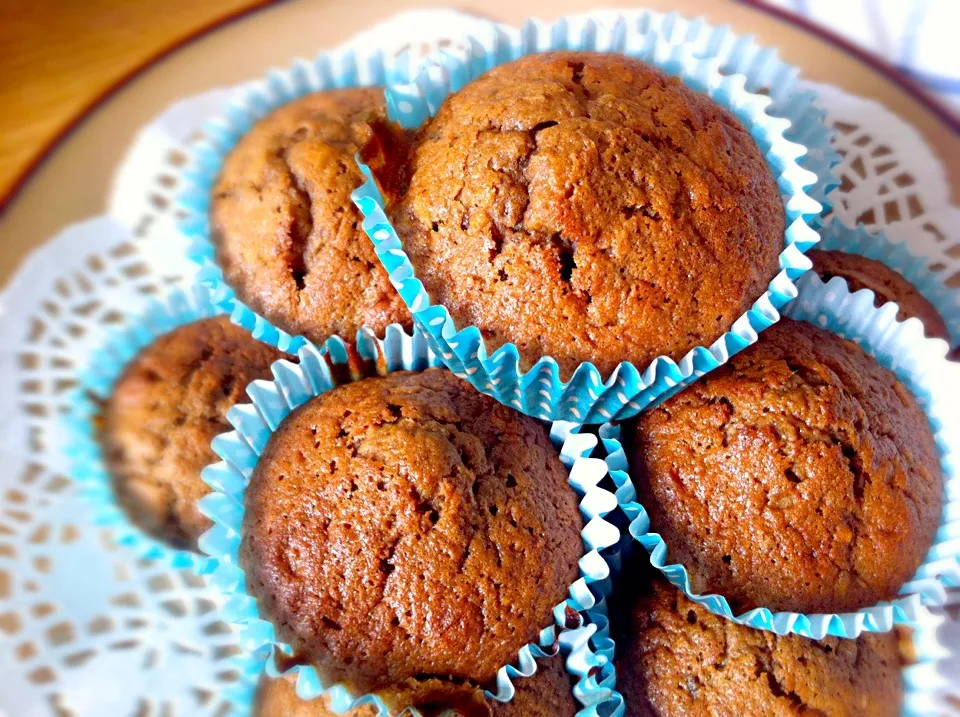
x,y
57,57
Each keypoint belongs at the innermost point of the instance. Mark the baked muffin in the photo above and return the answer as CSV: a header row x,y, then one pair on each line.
x,y
287,235
861,272
548,693
167,406
408,525
589,207
676,658
800,476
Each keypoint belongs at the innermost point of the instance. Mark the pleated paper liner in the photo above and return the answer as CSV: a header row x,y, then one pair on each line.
x,y
318,371
589,397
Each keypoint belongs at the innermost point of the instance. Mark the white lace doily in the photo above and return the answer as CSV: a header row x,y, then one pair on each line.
x,y
84,629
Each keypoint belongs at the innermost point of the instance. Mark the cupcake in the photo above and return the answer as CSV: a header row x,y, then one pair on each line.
x,y
887,284
157,423
407,525
287,236
589,207
547,693
677,658
801,476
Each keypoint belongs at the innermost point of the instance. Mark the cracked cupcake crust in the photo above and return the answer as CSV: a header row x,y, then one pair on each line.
x,y
861,272
287,234
675,657
409,526
162,414
801,476
548,693
589,207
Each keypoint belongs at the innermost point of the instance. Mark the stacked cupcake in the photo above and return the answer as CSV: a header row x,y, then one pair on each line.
x,y
152,399
801,477
400,519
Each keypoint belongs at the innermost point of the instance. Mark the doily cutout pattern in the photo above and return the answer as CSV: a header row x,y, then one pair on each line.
x,y
86,629
891,180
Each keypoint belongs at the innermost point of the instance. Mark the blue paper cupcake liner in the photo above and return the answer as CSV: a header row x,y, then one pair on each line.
x,y
96,382
589,397
914,268
594,665
296,383
252,102
920,364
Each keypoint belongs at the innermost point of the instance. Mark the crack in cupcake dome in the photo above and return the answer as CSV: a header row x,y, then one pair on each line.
x,y
547,693
286,235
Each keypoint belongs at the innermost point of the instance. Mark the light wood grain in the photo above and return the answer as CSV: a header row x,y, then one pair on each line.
x,y
59,56
77,174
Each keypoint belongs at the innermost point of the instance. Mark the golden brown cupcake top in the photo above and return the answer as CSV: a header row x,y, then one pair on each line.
x,y
861,272
548,693
408,525
677,658
590,207
287,235
158,422
800,476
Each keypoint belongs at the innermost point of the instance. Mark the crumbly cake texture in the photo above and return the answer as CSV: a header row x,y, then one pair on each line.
x,y
801,476
287,234
887,284
158,421
589,207
548,693
408,525
677,658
